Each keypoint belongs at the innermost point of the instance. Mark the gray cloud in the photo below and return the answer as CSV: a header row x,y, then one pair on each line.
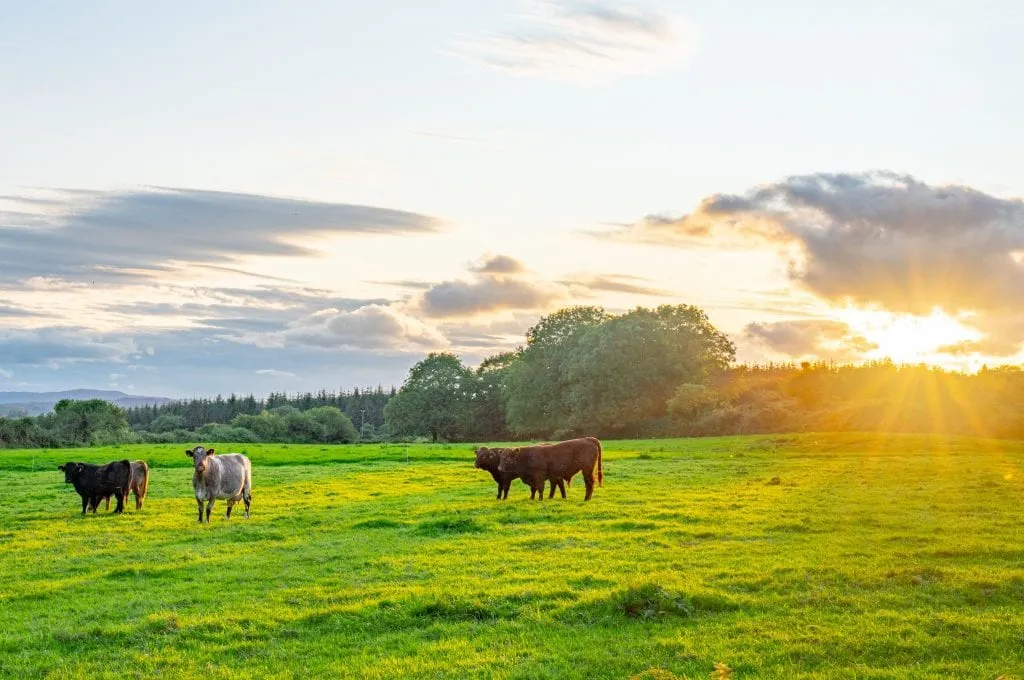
x,y
273,372
875,239
12,311
376,327
486,295
54,347
810,338
192,362
499,264
615,283
110,236
583,42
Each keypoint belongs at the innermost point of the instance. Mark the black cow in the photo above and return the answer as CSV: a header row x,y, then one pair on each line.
x,y
93,482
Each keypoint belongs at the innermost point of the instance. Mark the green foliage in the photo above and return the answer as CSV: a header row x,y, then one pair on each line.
x,y
166,423
87,422
434,400
876,556
584,371
537,389
215,432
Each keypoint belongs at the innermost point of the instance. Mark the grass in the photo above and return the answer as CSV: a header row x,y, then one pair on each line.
x,y
809,556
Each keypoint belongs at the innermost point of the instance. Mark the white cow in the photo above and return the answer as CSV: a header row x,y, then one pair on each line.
x,y
227,476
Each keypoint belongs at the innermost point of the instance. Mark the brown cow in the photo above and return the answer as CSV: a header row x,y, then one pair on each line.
x,y
536,464
139,484
490,459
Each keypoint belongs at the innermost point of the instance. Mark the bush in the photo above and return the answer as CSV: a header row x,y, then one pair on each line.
x,y
216,432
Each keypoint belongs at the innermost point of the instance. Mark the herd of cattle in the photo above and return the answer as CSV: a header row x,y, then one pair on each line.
x,y
229,475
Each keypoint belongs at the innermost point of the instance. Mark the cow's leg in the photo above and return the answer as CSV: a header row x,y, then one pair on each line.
x,y
107,507
247,493
199,502
588,479
231,504
95,504
85,504
561,487
499,490
209,508
119,495
138,501
554,483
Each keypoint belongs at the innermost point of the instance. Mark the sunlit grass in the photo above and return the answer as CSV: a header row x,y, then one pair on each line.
x,y
784,557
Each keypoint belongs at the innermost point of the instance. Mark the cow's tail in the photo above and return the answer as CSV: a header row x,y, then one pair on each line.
x,y
600,471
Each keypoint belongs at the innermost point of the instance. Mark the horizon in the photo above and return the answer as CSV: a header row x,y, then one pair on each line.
x,y
204,200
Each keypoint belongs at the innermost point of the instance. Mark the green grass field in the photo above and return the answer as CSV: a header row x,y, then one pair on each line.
x,y
811,556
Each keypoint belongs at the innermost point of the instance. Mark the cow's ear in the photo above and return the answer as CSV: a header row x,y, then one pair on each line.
x,y
209,452
188,452
61,468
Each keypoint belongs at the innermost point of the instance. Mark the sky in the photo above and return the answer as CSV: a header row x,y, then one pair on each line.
x,y
254,196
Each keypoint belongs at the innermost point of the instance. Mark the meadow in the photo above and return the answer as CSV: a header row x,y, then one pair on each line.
x,y
797,556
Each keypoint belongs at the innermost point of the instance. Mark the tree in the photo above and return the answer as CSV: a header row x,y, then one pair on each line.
x,y
536,387
167,423
335,427
433,400
625,370
486,412
88,422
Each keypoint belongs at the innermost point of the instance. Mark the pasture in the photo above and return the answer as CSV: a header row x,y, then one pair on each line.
x,y
805,556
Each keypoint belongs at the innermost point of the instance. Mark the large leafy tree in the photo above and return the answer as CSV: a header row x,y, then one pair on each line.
x,y
486,412
434,400
88,422
536,386
626,370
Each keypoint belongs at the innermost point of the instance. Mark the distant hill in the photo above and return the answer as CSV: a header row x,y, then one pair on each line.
x,y
18,404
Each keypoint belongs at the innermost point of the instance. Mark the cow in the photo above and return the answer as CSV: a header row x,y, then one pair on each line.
x,y
220,476
489,460
93,482
139,485
535,464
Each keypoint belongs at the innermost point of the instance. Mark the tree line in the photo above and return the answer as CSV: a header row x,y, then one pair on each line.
x,y
646,373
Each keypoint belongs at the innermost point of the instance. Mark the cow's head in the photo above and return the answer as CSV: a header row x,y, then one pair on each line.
x,y
482,454
507,458
199,456
70,471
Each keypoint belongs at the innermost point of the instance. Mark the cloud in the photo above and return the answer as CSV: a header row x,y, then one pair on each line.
x,y
14,312
4,373
260,309
583,42
810,338
877,239
376,327
499,264
84,236
56,347
451,299
275,373
201,361
614,283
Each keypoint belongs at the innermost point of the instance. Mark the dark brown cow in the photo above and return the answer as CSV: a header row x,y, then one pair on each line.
x,y
536,464
93,482
139,484
490,459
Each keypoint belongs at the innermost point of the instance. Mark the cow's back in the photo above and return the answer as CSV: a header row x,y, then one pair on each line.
x,y
234,469
571,456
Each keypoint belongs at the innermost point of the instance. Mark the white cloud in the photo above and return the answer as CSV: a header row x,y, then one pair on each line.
x,y
275,373
584,42
376,327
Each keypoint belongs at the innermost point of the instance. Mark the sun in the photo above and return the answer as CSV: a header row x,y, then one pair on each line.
x,y
909,339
